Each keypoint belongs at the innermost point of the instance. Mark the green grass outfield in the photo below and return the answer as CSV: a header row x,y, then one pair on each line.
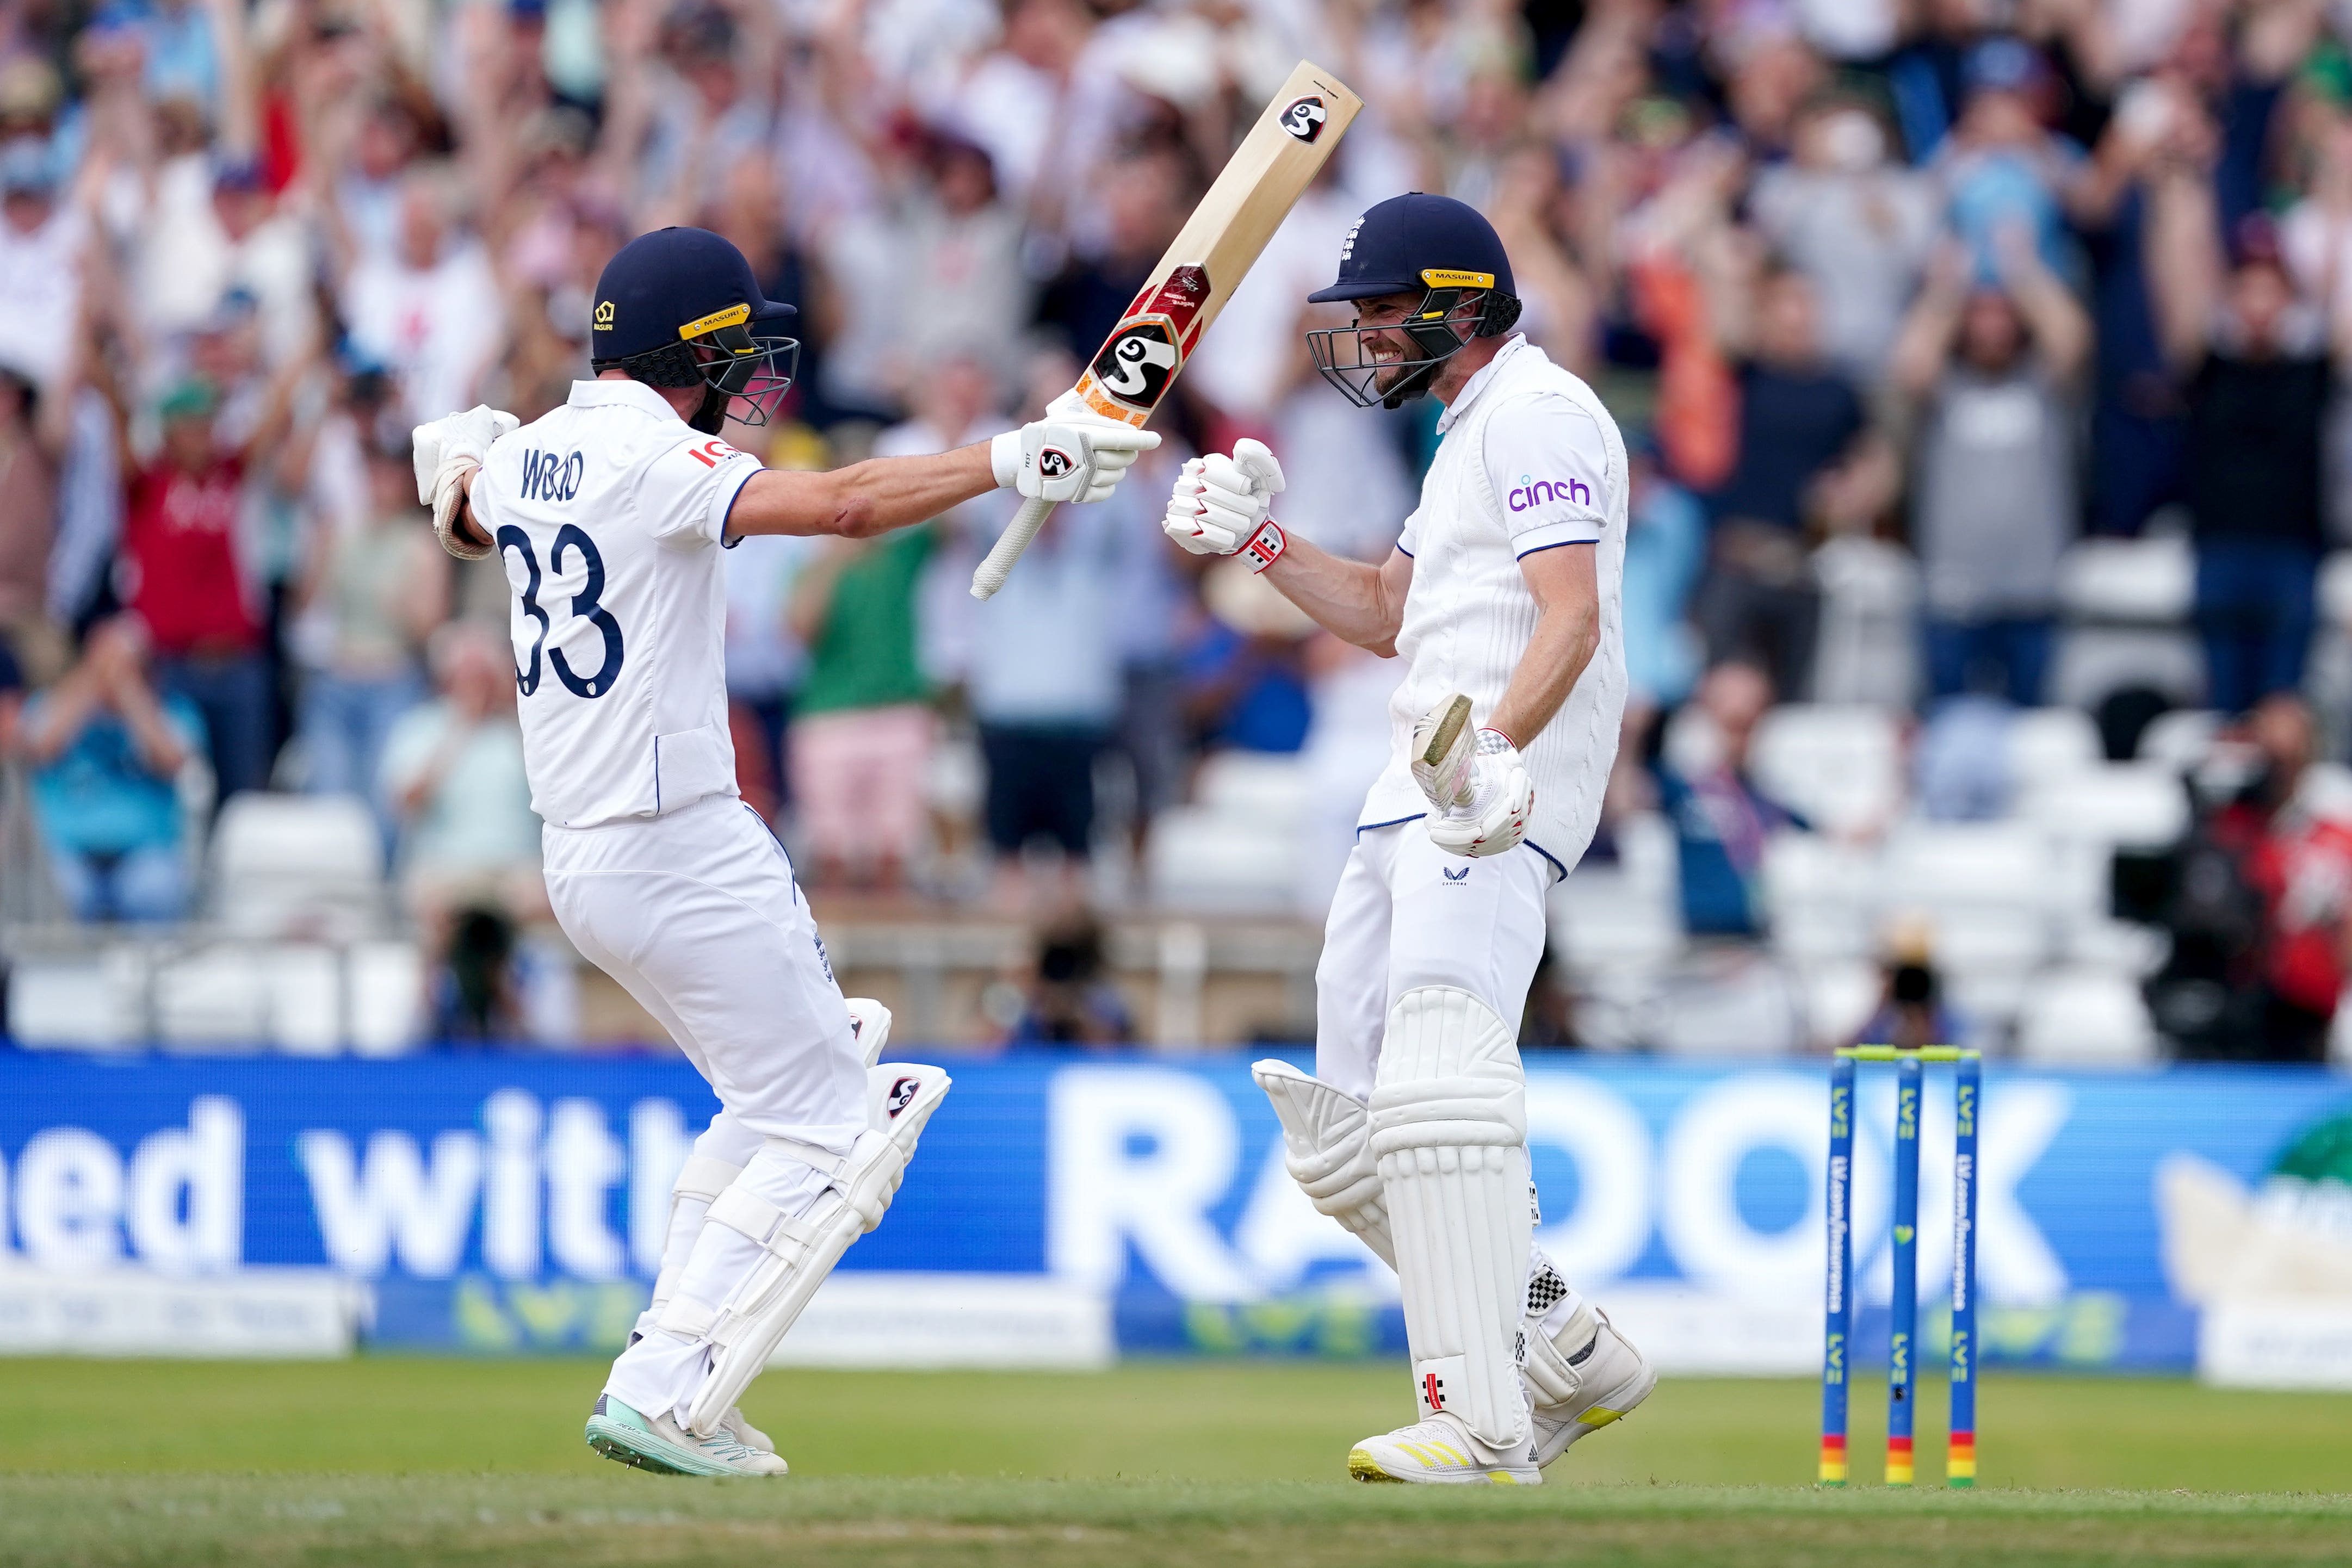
x,y
389,1459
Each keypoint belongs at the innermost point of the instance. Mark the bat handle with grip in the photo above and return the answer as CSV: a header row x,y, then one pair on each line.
x,y
991,574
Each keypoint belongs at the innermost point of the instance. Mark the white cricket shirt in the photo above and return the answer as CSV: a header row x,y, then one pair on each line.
x,y
608,514
1531,460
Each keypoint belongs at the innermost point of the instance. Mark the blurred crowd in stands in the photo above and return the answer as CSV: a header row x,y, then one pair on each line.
x,y
1899,302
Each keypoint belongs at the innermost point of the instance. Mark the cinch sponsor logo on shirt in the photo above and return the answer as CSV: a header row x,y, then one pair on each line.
x,y
1535,492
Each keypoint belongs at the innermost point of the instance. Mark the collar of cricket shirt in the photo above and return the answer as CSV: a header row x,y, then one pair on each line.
x,y
1477,383
633,394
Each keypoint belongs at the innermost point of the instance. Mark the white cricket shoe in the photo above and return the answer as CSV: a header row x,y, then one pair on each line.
x,y
1440,1451
1615,1379
659,1444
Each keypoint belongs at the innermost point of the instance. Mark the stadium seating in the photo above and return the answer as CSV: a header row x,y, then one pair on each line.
x,y
286,865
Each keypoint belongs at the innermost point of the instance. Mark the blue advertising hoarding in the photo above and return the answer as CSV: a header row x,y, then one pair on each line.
x,y
509,1203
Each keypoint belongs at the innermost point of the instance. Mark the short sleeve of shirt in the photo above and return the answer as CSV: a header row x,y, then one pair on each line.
x,y
1549,467
687,492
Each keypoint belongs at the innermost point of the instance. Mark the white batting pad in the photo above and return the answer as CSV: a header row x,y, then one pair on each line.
x,y
702,1179
1326,1145
1449,1131
799,1250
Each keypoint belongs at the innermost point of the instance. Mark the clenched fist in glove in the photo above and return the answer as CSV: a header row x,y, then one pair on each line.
x,y
1220,504
1072,454
447,453
1479,792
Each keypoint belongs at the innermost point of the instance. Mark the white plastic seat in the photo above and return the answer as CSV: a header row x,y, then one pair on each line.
x,y
1270,788
304,982
2146,581
1839,997
385,987
2086,1018
1821,897
2325,790
2050,743
1939,866
1837,767
2135,805
2180,739
215,998
297,864
1221,862
1601,917
79,1001
2334,588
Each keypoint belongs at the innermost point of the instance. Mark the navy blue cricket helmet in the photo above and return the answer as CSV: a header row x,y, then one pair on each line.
x,y
680,308
1446,250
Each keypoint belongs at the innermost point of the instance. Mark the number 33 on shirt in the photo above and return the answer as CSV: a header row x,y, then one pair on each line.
x,y
608,516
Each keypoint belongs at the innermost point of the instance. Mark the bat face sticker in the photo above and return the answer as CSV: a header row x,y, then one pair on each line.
x,y
1305,119
1137,364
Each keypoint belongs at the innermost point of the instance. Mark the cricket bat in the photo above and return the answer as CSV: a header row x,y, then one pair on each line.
x,y
1444,747
1260,184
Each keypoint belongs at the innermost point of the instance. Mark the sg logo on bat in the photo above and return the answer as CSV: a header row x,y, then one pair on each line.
x,y
1138,364
1305,119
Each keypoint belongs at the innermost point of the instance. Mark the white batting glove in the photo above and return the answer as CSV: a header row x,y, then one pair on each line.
x,y
1072,454
1220,504
446,454
1480,794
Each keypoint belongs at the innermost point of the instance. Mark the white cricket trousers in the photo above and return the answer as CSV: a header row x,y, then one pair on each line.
x,y
697,915
1407,913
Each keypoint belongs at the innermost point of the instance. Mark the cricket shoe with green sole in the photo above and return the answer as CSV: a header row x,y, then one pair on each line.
x,y
1440,1451
1612,1379
658,1443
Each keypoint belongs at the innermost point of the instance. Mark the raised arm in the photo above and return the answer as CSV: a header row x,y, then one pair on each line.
x,y
863,500
2183,246
1924,342
1221,506
1352,599
2062,328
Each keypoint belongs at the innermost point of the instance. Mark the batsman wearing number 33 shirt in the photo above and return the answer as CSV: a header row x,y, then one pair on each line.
x,y
1502,600
608,516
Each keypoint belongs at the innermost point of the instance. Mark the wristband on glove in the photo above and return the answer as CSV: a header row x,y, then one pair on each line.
x,y
1265,545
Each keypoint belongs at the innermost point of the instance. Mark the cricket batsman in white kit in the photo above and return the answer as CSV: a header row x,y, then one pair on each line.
x,y
608,514
1502,597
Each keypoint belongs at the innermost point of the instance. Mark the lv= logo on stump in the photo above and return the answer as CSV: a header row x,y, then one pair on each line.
x,y
1902,1358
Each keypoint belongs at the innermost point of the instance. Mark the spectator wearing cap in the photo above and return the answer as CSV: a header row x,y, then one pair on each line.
x,y
371,596
106,749
41,243
183,568
2257,371
1993,371
2003,168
